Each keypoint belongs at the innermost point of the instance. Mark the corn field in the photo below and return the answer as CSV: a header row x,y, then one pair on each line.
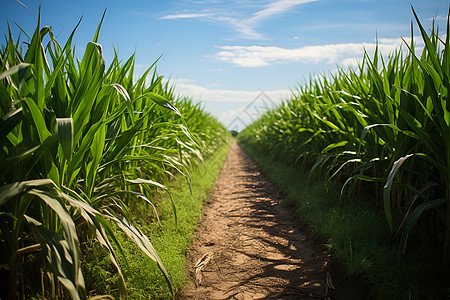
x,y
80,142
382,127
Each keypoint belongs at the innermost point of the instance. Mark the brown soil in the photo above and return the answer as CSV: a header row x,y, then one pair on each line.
x,y
248,245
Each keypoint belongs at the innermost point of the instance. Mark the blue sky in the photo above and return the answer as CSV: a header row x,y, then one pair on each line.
x,y
224,53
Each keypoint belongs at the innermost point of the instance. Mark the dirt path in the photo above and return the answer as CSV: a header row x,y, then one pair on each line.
x,y
248,246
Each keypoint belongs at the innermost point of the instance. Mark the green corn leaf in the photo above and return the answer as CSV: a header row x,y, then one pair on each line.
x,y
67,268
65,136
92,71
355,160
146,181
122,91
108,229
97,32
14,189
360,177
161,101
36,152
428,44
141,81
122,141
17,68
60,257
101,227
38,119
158,185
143,243
388,186
133,193
414,216
96,149
79,155
9,121
334,146
365,131
59,63
102,237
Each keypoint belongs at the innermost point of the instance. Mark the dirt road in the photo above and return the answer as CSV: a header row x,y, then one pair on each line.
x,y
248,246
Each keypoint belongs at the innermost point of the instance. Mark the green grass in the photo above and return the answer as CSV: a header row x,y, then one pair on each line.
x,y
357,236
143,278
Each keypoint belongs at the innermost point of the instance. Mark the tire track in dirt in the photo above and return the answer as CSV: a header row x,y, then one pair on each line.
x,y
248,246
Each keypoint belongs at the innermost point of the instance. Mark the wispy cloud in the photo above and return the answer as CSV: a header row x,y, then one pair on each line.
x,y
276,7
343,54
240,18
186,16
248,27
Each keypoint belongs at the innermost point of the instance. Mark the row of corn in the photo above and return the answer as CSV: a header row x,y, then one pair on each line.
x,y
383,127
79,142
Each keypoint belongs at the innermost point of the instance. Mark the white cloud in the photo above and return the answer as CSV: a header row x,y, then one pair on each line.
x,y
186,16
343,54
239,18
247,27
276,7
